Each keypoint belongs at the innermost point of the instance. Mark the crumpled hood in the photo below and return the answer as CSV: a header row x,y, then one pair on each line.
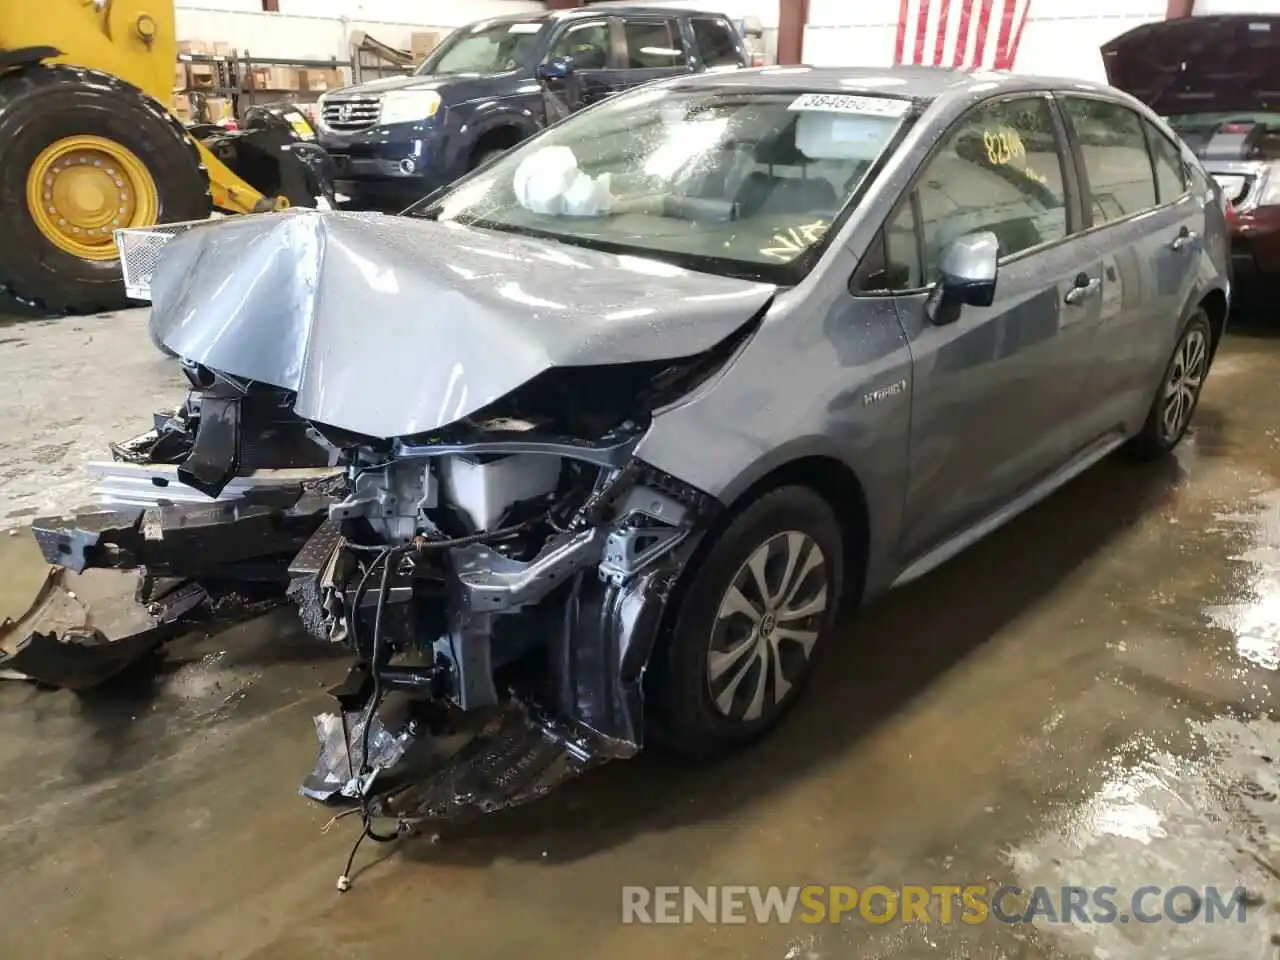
x,y
388,326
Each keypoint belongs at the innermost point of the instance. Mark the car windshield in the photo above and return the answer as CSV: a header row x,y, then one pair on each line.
x,y
717,179
485,48
1197,129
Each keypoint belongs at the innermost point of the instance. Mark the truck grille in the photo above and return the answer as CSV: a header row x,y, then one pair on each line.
x,y
140,249
352,113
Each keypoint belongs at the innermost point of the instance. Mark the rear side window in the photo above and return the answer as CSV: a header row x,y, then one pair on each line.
x,y
653,44
716,43
1116,163
1166,160
998,169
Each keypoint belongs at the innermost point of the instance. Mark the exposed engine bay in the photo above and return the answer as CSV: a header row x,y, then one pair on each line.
x,y
500,583
474,525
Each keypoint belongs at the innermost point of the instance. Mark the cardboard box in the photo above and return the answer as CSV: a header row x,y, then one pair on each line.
x,y
219,109
179,76
201,76
205,48
422,42
318,81
277,78
181,107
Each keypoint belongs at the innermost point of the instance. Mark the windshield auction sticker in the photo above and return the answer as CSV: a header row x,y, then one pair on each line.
x,y
843,103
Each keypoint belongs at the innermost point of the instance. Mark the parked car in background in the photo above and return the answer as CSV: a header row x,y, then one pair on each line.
x,y
493,83
1213,78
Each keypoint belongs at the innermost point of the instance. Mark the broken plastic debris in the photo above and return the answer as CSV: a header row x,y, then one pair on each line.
x,y
337,771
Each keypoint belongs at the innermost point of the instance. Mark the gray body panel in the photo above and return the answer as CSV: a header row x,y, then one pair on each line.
x,y
388,326
949,430
1003,406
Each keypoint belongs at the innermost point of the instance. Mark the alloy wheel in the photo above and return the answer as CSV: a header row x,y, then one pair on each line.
x,y
1182,385
766,626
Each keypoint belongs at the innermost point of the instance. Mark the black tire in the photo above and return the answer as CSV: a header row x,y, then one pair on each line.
x,y
687,718
1157,437
38,107
481,157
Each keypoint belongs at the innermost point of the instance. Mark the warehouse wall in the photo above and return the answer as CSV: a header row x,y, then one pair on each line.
x,y
321,28
1062,37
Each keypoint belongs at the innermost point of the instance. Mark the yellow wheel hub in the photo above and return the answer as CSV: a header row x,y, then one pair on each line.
x,y
81,189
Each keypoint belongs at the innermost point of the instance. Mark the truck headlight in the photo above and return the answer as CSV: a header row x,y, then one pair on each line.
x,y
408,106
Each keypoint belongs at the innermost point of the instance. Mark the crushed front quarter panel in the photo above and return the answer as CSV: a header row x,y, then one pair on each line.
x,y
393,326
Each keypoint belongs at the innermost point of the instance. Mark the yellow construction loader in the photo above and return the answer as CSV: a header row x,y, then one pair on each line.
x,y
88,145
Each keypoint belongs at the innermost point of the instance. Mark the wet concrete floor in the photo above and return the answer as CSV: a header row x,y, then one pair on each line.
x,y
1088,698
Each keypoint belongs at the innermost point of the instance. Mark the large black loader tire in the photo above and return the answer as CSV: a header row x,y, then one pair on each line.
x,y
82,153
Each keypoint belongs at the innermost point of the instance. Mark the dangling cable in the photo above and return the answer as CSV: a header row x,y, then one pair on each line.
x,y
386,557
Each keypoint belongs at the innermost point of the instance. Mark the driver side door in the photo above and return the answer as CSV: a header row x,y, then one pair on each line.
x,y
995,389
591,46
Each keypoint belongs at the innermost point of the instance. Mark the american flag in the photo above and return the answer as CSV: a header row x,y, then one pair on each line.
x,y
970,34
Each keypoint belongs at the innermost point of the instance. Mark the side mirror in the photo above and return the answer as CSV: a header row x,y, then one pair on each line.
x,y
557,68
966,276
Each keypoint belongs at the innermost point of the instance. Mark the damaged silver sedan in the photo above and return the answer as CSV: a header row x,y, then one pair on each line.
x,y
602,435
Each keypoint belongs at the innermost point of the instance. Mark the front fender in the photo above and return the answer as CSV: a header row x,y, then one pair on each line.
x,y
26,57
477,119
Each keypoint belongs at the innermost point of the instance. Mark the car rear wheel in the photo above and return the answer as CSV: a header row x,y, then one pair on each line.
x,y
757,610
1179,391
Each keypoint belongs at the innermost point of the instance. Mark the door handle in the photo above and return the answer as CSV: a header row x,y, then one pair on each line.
x,y
1183,240
1083,291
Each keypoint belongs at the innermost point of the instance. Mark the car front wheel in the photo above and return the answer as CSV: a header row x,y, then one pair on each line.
x,y
757,610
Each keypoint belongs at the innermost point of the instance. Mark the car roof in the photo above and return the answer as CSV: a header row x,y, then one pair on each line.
x,y
597,9
621,7
917,83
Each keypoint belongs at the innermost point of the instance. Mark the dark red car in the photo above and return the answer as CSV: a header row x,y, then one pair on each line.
x,y
1216,80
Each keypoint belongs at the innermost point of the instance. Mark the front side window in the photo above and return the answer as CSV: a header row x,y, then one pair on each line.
x,y
999,169
716,43
721,179
1116,162
892,262
1166,158
653,44
587,44
485,48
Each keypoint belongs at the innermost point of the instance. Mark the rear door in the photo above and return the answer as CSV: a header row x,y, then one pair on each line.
x,y
994,393
717,44
1142,216
651,48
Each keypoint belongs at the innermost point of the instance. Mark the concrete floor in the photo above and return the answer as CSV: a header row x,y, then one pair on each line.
x,y
1085,698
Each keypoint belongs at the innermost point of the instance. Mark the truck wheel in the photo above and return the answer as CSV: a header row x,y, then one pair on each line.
x,y
82,154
